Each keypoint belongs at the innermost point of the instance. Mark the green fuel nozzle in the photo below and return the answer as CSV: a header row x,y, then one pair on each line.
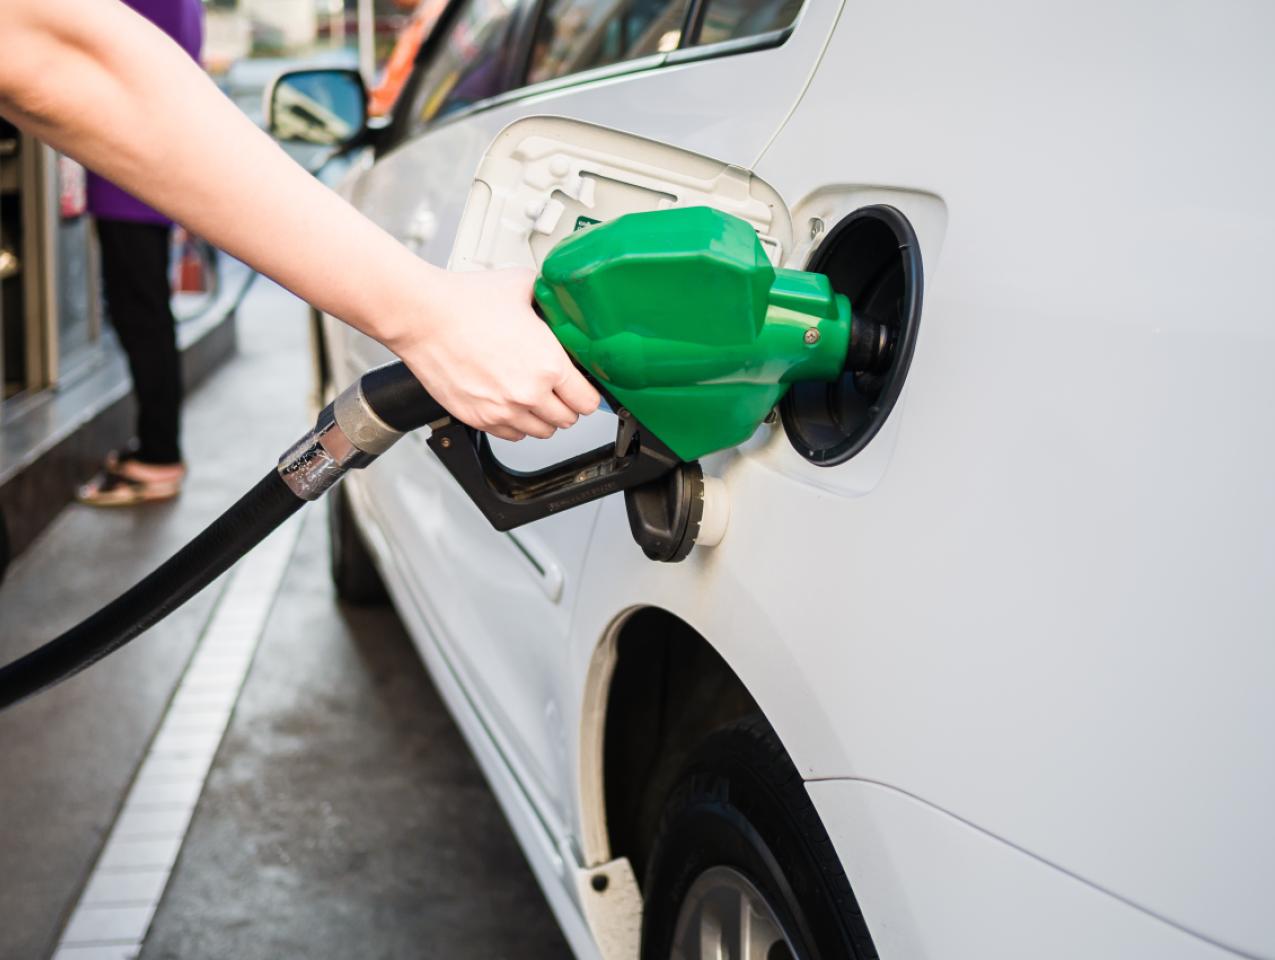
x,y
680,316
683,324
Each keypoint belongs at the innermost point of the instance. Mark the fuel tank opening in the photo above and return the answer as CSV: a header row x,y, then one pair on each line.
x,y
873,257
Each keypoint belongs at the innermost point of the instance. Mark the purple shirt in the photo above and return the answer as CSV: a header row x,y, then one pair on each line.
x,y
183,20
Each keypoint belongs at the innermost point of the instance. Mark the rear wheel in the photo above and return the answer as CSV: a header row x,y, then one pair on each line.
x,y
354,575
742,867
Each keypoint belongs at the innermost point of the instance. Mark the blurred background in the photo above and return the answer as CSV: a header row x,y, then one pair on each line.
x,y
64,400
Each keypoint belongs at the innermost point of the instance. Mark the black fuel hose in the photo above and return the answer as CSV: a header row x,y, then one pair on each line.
x,y
183,575
351,432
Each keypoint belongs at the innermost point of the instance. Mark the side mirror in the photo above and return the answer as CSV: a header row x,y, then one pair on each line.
x,y
325,107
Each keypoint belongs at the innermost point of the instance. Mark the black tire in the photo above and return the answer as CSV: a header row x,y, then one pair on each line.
x,y
740,803
354,575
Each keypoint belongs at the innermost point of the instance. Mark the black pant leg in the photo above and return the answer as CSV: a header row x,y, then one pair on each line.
x,y
135,281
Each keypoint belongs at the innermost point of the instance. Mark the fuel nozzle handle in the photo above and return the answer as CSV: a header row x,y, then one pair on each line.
x,y
367,418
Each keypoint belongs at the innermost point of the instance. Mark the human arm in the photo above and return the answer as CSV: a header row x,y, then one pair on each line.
x,y
102,84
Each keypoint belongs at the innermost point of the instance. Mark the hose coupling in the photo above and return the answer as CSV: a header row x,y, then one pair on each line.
x,y
348,435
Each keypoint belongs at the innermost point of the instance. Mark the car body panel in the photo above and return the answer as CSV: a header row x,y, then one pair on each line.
x,y
1037,605
934,888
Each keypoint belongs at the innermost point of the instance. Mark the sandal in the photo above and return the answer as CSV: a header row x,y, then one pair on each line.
x,y
114,488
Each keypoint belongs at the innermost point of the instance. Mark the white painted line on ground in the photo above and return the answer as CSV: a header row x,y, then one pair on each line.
x,y
115,910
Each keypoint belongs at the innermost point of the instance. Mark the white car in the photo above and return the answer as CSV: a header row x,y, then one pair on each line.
x,y
983,665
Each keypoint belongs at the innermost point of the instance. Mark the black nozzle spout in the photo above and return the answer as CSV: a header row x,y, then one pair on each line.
x,y
871,347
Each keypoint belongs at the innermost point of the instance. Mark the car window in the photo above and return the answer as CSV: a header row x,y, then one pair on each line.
x,y
732,19
575,35
467,65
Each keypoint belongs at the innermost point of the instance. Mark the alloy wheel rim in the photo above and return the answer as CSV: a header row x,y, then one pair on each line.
x,y
725,917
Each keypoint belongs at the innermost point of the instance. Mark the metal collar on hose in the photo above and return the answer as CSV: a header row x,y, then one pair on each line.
x,y
349,435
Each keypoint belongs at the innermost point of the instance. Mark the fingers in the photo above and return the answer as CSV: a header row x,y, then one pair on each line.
x,y
534,423
577,393
553,410
531,425
540,421
513,425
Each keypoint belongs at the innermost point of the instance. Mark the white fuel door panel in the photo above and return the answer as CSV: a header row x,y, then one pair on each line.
x,y
545,177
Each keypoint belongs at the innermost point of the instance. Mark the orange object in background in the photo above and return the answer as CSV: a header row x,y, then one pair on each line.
x,y
189,275
399,66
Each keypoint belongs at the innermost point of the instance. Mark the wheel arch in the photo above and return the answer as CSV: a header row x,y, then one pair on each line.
x,y
645,660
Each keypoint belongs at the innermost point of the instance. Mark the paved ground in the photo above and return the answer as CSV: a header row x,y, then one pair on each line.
x,y
343,816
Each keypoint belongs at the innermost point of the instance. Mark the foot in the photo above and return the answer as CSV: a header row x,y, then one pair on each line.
x,y
124,482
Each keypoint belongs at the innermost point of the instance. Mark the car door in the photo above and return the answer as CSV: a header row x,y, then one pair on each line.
x,y
500,604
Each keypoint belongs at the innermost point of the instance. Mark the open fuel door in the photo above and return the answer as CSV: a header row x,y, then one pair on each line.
x,y
545,177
